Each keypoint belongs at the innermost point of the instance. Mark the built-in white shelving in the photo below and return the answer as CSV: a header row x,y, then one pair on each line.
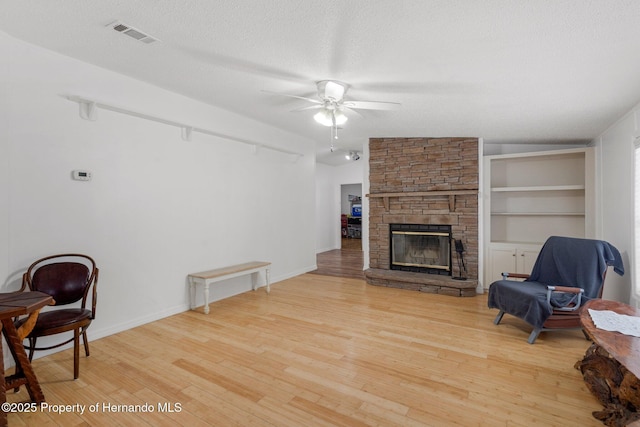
x,y
531,196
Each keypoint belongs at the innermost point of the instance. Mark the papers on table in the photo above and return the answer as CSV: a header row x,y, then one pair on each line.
x,y
614,322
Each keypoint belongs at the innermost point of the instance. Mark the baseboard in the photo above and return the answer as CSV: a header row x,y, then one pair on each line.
x,y
125,326
321,250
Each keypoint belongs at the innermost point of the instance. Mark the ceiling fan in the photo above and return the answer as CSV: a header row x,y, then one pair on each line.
x,y
332,104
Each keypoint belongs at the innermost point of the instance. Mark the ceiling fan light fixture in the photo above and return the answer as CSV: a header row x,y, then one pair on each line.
x,y
324,117
328,117
340,117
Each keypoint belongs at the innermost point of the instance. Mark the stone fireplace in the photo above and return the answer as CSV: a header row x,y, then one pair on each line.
x,y
427,186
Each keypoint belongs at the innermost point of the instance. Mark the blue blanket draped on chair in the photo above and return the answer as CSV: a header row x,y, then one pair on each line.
x,y
563,261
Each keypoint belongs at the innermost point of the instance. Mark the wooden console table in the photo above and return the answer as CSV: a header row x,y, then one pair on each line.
x,y
611,366
12,305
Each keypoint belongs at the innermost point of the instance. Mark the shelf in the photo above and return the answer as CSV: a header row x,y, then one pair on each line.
x,y
434,193
539,188
538,213
534,227
450,194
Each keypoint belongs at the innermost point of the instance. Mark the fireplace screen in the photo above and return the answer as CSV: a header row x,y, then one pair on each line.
x,y
421,248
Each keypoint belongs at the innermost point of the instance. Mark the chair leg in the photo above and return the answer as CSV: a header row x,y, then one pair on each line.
x,y
534,335
32,347
76,353
86,343
498,318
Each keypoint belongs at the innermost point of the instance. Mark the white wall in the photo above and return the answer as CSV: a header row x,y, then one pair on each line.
x,y
329,180
4,171
325,206
615,218
158,207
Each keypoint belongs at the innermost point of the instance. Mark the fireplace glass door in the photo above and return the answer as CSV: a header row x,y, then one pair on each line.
x,y
421,251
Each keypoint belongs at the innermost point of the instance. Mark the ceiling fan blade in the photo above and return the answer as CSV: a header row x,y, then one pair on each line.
x,y
372,105
315,101
351,111
312,107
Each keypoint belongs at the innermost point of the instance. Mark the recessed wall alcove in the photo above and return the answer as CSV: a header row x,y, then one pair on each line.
x,y
431,181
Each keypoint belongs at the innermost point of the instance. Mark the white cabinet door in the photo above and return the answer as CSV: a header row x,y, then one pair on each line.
x,y
527,258
501,259
511,258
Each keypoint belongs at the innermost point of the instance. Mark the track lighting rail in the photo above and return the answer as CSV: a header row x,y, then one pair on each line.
x,y
88,111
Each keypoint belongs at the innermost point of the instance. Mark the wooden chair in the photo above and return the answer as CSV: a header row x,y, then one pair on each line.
x,y
68,278
567,273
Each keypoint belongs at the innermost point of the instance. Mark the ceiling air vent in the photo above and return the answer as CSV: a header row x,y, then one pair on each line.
x,y
132,32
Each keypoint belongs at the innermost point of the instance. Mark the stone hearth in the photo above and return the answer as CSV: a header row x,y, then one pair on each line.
x,y
429,283
423,181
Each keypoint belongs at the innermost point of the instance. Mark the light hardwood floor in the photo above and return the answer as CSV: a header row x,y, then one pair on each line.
x,y
344,262
324,351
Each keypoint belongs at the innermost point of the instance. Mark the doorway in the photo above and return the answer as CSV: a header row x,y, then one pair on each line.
x,y
351,216
348,260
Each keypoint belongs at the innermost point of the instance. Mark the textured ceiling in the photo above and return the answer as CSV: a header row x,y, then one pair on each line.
x,y
527,71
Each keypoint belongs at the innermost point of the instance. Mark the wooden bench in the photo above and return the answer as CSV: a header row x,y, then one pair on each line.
x,y
208,277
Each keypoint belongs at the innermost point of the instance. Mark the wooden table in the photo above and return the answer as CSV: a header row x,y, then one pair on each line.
x,y
12,305
611,366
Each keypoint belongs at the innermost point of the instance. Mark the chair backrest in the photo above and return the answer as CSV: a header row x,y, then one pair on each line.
x,y
568,261
66,279
66,282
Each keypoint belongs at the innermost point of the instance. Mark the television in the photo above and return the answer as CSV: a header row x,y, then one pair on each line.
x,y
356,210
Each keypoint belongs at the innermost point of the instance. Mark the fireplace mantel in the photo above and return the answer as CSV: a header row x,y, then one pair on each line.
x,y
436,193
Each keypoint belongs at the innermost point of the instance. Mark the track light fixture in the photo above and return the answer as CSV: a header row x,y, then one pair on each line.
x,y
353,155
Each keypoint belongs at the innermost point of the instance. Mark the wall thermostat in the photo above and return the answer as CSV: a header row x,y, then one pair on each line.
x,y
81,175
